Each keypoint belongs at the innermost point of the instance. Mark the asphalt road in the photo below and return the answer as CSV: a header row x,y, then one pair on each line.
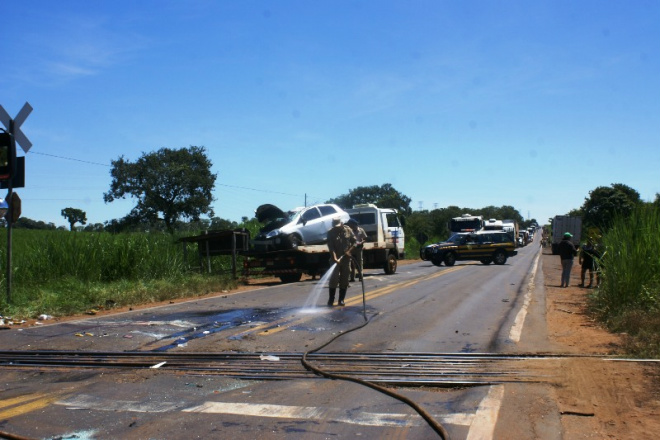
x,y
430,334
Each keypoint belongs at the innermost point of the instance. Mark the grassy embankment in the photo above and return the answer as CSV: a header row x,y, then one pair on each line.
x,y
63,273
628,299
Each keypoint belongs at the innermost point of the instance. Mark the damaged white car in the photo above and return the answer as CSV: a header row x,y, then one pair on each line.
x,y
298,227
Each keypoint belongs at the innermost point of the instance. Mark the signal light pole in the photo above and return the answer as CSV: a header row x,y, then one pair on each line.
x,y
12,135
7,171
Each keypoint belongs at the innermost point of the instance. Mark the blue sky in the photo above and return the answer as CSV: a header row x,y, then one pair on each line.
x,y
468,103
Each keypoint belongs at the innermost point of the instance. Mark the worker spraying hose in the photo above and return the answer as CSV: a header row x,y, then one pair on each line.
x,y
341,242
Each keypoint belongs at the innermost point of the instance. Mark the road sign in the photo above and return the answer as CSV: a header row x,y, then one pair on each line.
x,y
15,207
19,136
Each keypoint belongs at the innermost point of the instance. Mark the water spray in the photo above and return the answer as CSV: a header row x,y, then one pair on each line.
x,y
434,424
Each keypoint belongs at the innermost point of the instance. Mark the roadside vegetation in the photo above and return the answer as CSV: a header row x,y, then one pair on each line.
x,y
626,231
62,273
628,299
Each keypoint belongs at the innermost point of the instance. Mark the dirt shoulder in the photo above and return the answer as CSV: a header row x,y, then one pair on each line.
x,y
597,399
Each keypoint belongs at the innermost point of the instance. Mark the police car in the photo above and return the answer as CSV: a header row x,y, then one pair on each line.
x,y
485,246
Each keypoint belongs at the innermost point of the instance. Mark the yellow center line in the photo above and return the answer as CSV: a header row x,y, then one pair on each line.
x,y
389,289
20,399
285,323
35,402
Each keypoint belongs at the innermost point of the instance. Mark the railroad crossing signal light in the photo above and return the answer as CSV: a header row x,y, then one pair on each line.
x,y
12,170
17,176
5,155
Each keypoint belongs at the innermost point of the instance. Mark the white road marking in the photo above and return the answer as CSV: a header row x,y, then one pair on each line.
x,y
484,417
483,425
516,330
315,413
99,404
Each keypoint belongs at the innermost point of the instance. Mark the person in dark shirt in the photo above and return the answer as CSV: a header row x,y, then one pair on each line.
x,y
567,253
589,260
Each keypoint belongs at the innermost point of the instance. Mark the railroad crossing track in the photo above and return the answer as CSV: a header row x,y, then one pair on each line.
x,y
399,369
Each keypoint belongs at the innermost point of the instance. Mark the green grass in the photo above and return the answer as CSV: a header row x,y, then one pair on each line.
x,y
61,273
628,299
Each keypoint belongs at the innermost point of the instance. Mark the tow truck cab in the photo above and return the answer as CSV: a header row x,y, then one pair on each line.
x,y
385,237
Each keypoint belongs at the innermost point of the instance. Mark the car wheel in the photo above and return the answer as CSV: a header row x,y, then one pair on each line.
x,y
295,241
487,261
450,259
499,257
436,260
390,264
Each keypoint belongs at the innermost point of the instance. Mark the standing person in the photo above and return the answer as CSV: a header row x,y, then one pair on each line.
x,y
567,252
588,261
340,241
360,239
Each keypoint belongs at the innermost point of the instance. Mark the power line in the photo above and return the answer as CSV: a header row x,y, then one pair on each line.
x,y
71,158
219,184
262,190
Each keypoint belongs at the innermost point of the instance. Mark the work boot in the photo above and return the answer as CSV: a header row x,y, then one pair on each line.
x,y
331,298
342,295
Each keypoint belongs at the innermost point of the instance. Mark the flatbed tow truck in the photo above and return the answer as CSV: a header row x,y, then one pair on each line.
x,y
385,246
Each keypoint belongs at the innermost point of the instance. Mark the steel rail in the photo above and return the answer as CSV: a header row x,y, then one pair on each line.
x,y
401,369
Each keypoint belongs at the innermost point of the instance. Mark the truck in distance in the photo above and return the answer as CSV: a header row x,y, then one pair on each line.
x,y
562,224
466,223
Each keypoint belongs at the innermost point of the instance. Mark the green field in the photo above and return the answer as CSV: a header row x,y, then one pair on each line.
x,y
62,273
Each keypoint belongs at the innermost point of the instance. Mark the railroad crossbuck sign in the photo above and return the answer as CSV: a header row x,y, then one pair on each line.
x,y
20,138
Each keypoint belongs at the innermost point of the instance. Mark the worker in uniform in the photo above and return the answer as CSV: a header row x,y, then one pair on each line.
x,y
340,243
588,260
360,239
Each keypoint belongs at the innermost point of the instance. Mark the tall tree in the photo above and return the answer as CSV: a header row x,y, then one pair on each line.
x,y
605,203
384,196
73,216
168,184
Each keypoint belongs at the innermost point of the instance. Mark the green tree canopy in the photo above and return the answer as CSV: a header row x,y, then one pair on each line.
x,y
27,223
505,212
384,196
605,203
168,184
73,216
